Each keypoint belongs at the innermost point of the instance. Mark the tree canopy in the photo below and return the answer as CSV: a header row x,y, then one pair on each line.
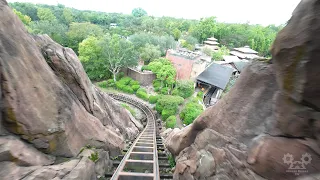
x,y
139,12
148,34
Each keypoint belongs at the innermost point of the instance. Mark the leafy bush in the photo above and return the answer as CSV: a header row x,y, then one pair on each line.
x,y
184,89
164,90
168,105
154,99
145,68
111,83
200,94
168,112
128,89
156,84
135,87
120,75
125,80
171,122
102,84
133,82
191,111
218,55
142,93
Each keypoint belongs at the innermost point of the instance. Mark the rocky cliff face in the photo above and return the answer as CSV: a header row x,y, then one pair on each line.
x,y
267,126
49,108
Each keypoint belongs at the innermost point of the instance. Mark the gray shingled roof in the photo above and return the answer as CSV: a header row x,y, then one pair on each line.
x,y
216,75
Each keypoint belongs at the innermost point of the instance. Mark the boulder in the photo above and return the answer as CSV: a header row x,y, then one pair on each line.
x,y
48,100
22,154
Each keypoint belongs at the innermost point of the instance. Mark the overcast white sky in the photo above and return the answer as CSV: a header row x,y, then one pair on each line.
x,y
234,11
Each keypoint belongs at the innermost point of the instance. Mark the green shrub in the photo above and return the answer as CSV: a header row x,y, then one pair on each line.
x,y
133,82
157,89
175,92
154,99
200,94
135,87
191,111
119,85
146,67
102,84
128,89
120,75
111,83
184,89
156,84
167,112
171,122
168,104
164,90
126,80
142,93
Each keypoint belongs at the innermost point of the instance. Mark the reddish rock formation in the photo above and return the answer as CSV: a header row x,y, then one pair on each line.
x,y
48,102
267,126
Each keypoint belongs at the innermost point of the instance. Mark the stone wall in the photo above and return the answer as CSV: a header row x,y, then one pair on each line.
x,y
145,78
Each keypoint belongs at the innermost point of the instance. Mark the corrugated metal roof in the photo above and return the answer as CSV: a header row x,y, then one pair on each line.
x,y
217,75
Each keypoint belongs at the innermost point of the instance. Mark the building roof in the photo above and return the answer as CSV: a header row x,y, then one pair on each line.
x,y
210,42
246,50
212,39
230,59
240,65
244,55
216,75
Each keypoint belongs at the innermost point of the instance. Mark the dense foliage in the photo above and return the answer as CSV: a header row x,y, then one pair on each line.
x,y
191,111
149,35
171,122
230,35
165,73
167,105
184,88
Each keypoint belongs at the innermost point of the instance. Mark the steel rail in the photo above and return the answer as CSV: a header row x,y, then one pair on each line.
x,y
141,160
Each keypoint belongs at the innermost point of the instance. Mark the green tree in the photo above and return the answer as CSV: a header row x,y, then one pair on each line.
x,y
90,57
205,29
176,34
45,14
164,71
80,31
54,29
24,18
139,12
149,53
68,16
117,53
218,55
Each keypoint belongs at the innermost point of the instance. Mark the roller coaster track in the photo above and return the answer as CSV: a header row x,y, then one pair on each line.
x,y
141,160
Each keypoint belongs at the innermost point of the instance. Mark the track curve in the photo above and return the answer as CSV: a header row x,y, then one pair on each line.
x,y
141,160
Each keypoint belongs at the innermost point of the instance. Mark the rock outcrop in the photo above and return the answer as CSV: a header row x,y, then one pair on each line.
x,y
49,108
267,126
